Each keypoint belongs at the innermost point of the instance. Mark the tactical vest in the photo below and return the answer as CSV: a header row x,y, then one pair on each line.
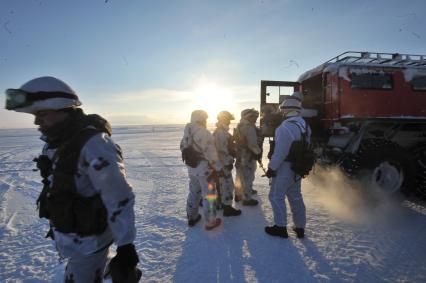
x,y
59,202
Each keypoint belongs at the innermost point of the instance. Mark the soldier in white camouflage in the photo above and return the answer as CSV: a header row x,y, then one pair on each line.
x,y
226,150
248,153
86,196
204,167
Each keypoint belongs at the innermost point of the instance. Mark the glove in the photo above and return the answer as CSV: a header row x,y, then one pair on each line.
x,y
44,165
271,173
123,266
229,167
258,157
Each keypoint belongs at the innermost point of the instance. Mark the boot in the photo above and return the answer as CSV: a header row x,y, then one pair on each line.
x,y
277,231
300,232
250,202
213,224
230,211
192,222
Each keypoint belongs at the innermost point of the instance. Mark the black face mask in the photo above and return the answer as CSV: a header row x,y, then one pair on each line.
x,y
64,129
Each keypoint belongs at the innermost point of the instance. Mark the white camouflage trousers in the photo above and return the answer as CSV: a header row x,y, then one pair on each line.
x,y
244,179
86,268
199,188
280,188
226,187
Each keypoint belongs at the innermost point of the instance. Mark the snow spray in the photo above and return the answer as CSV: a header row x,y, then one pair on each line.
x,y
353,201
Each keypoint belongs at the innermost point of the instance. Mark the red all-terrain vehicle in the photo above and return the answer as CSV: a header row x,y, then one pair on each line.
x,y
367,112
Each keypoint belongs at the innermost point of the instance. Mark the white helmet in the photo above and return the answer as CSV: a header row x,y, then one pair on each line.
x,y
44,93
291,106
198,116
250,112
225,115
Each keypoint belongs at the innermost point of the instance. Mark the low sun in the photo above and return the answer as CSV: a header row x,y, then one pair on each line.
x,y
213,99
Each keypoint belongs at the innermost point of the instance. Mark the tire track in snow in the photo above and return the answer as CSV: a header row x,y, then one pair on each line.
x,y
23,232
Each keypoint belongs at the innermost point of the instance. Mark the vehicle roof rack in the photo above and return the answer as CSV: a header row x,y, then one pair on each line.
x,y
391,59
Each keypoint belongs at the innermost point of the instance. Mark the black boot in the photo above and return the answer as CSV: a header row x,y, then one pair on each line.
x,y
300,232
277,231
230,211
192,222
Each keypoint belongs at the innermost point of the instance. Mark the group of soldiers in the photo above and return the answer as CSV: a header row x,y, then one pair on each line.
x,y
210,159
90,204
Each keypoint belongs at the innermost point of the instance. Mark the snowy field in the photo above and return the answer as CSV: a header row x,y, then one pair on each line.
x,y
349,239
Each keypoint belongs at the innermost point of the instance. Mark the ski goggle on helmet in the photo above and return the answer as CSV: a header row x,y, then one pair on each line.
x,y
44,93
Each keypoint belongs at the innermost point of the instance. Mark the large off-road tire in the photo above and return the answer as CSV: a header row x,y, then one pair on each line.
x,y
384,165
419,154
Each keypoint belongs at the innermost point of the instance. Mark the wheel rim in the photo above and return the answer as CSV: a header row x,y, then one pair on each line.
x,y
388,177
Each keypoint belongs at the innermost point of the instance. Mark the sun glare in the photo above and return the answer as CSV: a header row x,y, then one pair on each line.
x,y
213,99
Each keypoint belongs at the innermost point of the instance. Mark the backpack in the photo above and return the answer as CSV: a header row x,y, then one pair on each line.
x,y
236,136
301,154
99,123
190,156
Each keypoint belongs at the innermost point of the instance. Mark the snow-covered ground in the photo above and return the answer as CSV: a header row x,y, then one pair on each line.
x,y
350,238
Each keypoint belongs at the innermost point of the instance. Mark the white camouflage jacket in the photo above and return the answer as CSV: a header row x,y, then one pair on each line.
x,y
101,170
250,144
222,138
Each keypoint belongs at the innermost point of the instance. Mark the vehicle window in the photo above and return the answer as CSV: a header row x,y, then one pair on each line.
x,y
419,83
371,81
276,93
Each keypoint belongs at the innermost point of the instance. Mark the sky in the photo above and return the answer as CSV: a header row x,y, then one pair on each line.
x,y
153,62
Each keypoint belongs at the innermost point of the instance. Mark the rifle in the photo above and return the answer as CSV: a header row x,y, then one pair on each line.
x,y
263,167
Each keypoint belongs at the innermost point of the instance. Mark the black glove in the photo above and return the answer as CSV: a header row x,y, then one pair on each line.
x,y
257,157
123,265
271,173
229,167
44,165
